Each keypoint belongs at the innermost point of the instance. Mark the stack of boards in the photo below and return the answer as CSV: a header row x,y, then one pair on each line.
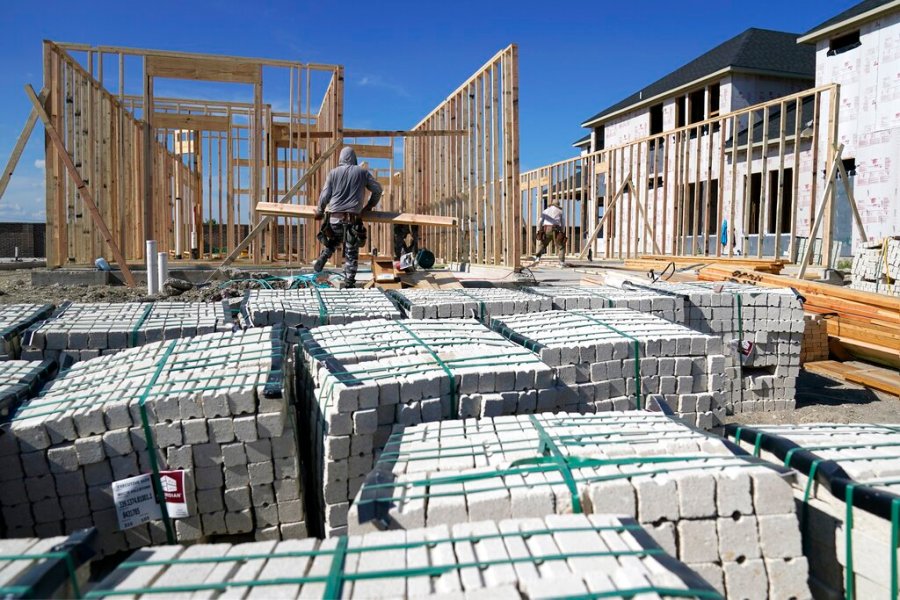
x,y
213,406
722,513
849,491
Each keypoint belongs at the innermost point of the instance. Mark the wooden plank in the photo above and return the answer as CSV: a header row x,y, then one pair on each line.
x,y
20,144
80,184
204,69
372,151
304,211
162,120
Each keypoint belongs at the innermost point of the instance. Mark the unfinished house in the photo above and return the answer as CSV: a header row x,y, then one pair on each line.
x,y
860,50
181,148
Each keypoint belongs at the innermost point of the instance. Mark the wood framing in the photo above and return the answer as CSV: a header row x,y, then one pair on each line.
x,y
760,169
473,178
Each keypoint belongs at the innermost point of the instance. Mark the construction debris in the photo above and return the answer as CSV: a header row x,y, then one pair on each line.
x,y
212,406
612,358
850,497
554,556
83,331
14,320
666,306
480,303
309,307
726,516
362,378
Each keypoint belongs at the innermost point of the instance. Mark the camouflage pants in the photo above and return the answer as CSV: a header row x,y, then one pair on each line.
x,y
343,233
557,237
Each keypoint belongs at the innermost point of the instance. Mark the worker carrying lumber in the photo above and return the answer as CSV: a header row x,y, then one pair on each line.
x,y
340,205
551,229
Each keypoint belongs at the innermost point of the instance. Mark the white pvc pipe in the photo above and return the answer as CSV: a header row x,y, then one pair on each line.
x,y
162,264
152,274
179,226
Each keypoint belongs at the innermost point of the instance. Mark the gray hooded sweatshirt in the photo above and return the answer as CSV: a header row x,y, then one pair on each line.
x,y
346,184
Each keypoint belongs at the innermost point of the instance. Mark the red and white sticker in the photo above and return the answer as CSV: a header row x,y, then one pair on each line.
x,y
173,489
746,347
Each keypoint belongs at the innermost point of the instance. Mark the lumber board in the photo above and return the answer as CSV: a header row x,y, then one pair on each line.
x,y
20,144
275,209
871,376
204,69
163,120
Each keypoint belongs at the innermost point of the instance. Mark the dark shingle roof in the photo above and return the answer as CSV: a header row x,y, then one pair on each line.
x,y
582,141
853,11
754,49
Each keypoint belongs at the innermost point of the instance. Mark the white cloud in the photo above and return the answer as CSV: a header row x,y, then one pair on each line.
x,y
39,163
377,81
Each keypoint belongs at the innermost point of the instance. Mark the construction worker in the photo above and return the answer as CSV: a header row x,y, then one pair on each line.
x,y
340,205
551,229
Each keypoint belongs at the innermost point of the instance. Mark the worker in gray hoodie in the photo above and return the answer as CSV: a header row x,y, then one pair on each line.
x,y
342,200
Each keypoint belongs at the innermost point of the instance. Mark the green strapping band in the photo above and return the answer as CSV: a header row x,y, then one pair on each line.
x,y
151,444
132,338
323,311
849,588
895,542
335,583
23,590
454,411
548,446
639,401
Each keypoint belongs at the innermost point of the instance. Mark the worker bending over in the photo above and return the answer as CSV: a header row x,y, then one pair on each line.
x,y
340,204
551,229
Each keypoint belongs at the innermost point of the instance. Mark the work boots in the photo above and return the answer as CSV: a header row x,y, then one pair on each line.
x,y
319,264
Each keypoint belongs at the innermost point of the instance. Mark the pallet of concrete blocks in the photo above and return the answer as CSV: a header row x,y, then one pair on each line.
x,y
19,381
311,307
814,346
479,303
87,330
613,358
666,306
212,406
553,556
762,329
15,319
877,268
848,488
727,515
359,379
57,567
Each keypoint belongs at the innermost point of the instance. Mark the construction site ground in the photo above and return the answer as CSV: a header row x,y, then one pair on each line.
x,y
819,398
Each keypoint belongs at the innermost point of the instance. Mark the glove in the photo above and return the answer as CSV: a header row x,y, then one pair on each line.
x,y
320,214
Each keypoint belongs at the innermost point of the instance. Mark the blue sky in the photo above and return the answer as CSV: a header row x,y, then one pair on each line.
x,y
401,58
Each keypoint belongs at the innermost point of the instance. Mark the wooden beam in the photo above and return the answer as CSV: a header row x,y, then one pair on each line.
x,y
193,122
607,210
827,199
301,211
204,69
281,131
263,223
20,144
372,150
83,190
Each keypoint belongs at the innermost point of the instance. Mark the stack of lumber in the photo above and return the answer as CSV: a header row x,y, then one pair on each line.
x,y
668,307
14,320
82,331
866,324
309,307
613,358
658,262
879,378
877,268
19,381
56,567
211,405
761,330
571,556
728,517
815,339
481,303
360,379
849,490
